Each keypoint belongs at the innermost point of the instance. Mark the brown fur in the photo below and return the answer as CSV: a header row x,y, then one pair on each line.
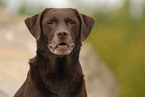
x,y
51,75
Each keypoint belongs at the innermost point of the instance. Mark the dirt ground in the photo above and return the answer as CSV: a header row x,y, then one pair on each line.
x,y
17,46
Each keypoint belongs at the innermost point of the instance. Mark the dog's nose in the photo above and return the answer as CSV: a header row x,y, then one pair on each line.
x,y
62,34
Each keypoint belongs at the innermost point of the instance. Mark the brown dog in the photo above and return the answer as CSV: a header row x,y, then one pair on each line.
x,y
56,71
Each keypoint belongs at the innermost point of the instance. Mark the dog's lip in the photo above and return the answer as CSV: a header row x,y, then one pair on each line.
x,y
61,46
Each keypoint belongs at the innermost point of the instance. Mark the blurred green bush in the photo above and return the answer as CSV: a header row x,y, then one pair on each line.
x,y
120,41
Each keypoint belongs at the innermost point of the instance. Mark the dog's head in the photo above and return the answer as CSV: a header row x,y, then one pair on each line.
x,y
61,27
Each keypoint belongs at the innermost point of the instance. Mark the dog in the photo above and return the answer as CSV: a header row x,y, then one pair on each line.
x,y
55,71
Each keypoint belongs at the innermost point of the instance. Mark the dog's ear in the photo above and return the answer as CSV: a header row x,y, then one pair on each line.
x,y
33,24
87,24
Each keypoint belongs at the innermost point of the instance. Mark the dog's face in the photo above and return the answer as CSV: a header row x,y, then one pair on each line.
x,y
61,27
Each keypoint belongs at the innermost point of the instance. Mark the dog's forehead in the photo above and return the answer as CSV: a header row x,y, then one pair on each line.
x,y
60,12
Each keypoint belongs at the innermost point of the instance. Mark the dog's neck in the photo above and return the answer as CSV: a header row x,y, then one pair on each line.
x,y
56,71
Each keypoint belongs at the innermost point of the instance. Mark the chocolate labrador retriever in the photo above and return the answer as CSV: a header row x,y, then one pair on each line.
x,y
55,71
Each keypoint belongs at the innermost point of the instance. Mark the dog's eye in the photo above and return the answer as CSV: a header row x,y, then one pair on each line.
x,y
71,21
50,22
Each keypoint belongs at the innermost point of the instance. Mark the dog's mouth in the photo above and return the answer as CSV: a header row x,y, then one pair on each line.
x,y
61,48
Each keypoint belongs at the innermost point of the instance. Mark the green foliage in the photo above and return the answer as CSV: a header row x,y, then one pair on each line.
x,y
2,4
120,40
30,9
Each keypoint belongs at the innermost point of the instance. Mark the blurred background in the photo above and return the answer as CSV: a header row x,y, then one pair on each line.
x,y
116,45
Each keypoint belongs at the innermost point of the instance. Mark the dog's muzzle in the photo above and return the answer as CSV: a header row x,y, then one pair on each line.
x,y
61,48
62,43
